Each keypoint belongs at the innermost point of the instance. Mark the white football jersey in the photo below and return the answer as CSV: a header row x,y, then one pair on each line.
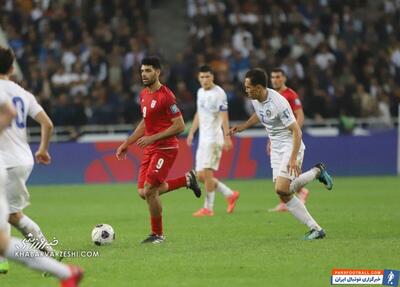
x,y
14,147
3,98
209,105
276,115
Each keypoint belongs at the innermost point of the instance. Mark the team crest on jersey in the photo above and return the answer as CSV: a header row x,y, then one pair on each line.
x,y
153,103
174,109
268,113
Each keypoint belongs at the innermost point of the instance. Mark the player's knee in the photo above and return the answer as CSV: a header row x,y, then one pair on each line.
x,y
200,177
4,241
285,196
141,193
281,192
14,218
150,190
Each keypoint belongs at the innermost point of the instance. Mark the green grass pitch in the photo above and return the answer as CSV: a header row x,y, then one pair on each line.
x,y
251,247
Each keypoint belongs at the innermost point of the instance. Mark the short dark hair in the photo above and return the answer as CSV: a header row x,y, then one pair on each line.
x,y
278,70
6,60
152,61
257,77
206,69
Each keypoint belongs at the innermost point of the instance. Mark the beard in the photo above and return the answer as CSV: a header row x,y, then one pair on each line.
x,y
149,82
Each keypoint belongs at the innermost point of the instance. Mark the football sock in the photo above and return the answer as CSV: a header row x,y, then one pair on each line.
x,y
226,191
41,263
303,179
156,225
298,209
7,231
209,200
177,183
29,228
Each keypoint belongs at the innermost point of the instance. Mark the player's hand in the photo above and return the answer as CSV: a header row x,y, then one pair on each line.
x,y
189,139
121,151
145,141
293,168
234,130
228,143
268,147
42,157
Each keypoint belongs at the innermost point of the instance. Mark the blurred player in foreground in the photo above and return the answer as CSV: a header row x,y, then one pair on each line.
x,y
10,247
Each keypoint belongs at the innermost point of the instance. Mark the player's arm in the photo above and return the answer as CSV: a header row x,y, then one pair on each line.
x,y
46,128
178,126
299,115
249,123
297,134
225,128
7,113
193,129
137,134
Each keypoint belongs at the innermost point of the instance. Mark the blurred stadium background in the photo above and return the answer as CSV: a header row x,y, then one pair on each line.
x,y
80,58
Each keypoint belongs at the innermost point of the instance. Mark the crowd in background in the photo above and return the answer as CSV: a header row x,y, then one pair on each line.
x,y
81,58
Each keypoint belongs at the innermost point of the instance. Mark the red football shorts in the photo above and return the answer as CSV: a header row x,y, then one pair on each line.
x,y
155,166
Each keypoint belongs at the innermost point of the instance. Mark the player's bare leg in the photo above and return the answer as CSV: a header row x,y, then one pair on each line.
x,y
189,181
302,194
297,208
153,201
297,185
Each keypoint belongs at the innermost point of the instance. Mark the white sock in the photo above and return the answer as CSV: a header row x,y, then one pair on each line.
x,y
41,263
298,209
29,229
303,179
209,200
7,231
226,191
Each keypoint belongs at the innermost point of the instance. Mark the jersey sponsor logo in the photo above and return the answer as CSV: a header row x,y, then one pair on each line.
x,y
174,109
153,104
297,102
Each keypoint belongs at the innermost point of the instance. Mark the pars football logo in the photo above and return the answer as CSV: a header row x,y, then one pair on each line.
x,y
365,277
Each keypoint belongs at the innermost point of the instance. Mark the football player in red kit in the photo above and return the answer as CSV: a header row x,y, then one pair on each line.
x,y
278,81
156,134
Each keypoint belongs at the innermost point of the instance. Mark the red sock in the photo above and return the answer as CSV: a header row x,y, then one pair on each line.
x,y
176,183
156,225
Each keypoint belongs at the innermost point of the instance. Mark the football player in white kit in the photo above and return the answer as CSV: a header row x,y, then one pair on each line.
x,y
212,121
287,147
11,247
16,156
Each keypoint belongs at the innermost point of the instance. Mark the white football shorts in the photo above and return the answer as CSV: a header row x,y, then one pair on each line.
x,y
208,155
280,161
17,193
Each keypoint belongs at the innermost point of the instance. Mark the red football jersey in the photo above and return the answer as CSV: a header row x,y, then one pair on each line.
x,y
293,99
158,109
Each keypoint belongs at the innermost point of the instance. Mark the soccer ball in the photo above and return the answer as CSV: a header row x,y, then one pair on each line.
x,y
103,234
